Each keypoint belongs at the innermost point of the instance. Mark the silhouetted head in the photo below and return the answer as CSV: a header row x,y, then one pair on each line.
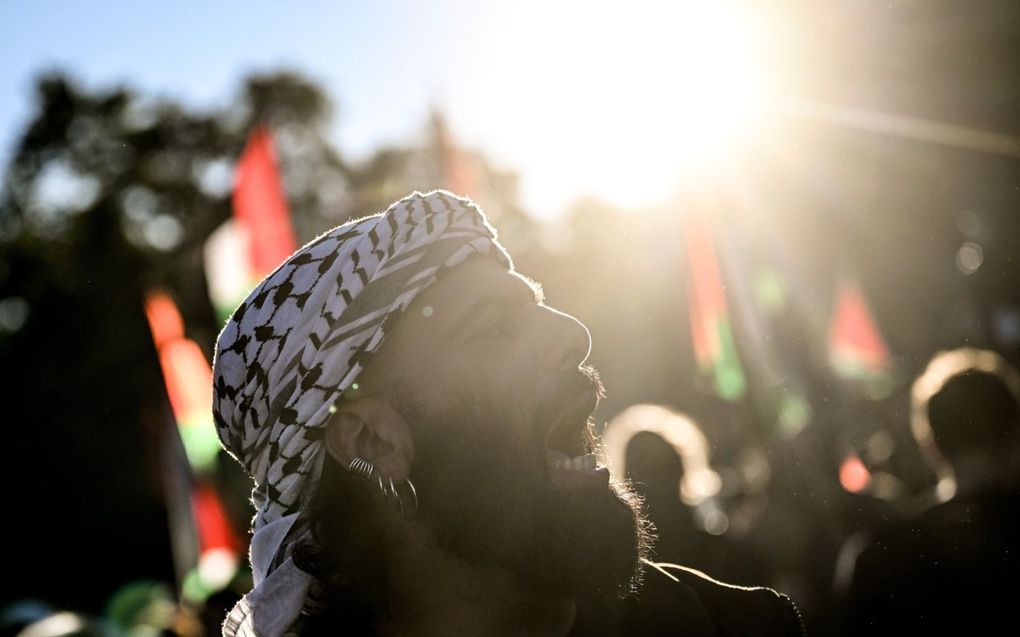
x,y
643,433
653,466
965,405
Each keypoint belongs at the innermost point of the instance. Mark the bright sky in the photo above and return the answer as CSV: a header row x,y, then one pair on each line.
x,y
578,97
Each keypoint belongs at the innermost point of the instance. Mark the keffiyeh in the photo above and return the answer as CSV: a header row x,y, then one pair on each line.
x,y
298,341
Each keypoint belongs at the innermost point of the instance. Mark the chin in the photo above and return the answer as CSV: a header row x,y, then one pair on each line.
x,y
522,494
602,541
586,538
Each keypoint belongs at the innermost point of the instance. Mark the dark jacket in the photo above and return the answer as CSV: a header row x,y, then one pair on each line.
x,y
955,569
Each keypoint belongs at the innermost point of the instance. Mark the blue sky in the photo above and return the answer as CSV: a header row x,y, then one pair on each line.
x,y
567,93
375,59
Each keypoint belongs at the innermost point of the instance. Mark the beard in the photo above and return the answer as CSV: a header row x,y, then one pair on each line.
x,y
486,492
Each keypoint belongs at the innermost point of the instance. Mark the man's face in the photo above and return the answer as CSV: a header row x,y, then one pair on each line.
x,y
491,383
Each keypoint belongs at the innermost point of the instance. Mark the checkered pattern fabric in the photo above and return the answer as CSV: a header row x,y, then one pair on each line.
x,y
303,335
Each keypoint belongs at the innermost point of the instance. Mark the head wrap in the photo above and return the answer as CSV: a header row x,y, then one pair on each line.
x,y
299,340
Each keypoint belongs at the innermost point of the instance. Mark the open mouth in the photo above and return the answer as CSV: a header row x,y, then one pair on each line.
x,y
570,447
561,461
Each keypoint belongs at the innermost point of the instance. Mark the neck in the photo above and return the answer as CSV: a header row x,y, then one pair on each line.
x,y
436,593
977,473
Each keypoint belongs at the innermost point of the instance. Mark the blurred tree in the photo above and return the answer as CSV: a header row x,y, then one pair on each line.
x,y
126,177
110,193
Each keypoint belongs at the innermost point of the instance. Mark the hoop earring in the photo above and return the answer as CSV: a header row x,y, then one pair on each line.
x,y
400,499
414,492
364,469
396,496
361,467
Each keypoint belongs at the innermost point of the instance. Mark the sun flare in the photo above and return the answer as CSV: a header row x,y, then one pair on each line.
x,y
624,102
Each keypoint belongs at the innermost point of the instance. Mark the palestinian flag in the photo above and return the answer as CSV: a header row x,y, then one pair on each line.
x,y
456,172
711,331
856,347
259,237
200,529
188,380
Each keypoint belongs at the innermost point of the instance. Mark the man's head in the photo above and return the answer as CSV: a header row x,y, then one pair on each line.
x,y
966,405
478,394
477,388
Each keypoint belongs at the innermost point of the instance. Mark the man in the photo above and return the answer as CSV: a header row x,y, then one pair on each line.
x,y
416,423
954,567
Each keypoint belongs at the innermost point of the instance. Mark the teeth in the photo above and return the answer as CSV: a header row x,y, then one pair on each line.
x,y
585,462
556,458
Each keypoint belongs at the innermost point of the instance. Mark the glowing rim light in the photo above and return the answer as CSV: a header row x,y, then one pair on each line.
x,y
699,481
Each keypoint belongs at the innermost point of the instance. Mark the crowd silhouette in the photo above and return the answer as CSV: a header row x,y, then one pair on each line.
x,y
944,559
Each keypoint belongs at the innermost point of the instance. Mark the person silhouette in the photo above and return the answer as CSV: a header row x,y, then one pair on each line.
x,y
954,567
417,424
666,458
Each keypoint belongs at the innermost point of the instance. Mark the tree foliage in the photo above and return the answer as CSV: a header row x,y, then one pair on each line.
x,y
109,193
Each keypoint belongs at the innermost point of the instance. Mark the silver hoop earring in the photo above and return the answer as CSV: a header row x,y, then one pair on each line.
x,y
361,467
406,510
396,496
414,492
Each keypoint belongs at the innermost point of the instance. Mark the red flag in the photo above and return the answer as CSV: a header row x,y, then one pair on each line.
x,y
214,530
457,174
260,207
165,321
711,333
188,380
856,347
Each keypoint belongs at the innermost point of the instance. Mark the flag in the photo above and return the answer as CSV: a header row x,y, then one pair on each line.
x,y
259,237
260,206
856,347
188,380
711,332
457,173
757,298
192,498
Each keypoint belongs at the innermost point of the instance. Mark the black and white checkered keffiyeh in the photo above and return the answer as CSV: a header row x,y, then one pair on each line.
x,y
301,338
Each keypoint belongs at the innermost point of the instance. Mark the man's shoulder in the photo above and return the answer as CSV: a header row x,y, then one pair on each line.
x,y
680,600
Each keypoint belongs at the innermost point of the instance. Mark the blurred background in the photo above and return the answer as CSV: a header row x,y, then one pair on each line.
x,y
769,214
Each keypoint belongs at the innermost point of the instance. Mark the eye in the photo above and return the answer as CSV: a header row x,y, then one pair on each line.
x,y
500,325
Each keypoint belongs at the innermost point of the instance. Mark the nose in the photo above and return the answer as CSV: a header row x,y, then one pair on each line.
x,y
566,339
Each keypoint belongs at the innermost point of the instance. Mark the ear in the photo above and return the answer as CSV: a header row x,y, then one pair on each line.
x,y
371,429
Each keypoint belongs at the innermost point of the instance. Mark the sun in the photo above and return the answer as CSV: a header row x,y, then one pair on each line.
x,y
620,101
718,82
692,98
